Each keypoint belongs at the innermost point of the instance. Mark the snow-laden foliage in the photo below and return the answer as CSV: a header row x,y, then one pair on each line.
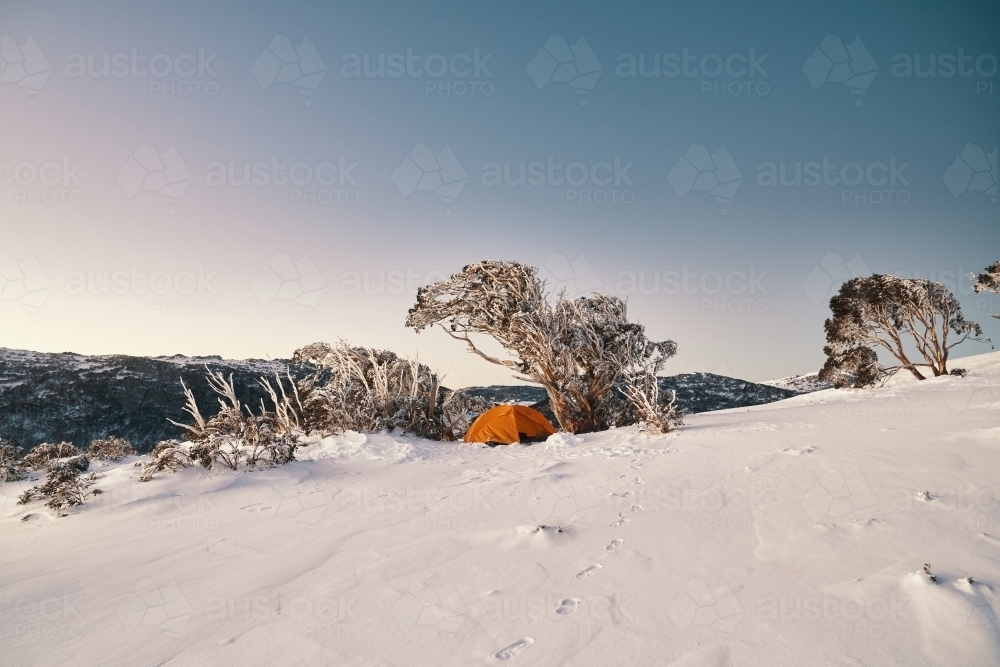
x,y
64,487
236,435
989,281
458,411
362,389
111,448
12,467
349,388
167,455
896,315
598,368
43,454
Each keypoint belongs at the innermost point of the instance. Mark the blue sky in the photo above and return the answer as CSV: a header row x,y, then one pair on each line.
x,y
738,276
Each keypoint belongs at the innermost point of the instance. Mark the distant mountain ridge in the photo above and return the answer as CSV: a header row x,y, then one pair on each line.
x,y
78,398
696,392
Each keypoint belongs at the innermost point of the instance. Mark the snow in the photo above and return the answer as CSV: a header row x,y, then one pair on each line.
x,y
801,384
792,533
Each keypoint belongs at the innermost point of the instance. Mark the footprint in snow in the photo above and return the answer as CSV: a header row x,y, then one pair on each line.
x,y
636,508
620,522
567,606
615,546
514,649
589,572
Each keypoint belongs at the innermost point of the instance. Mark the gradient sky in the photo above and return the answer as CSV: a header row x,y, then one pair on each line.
x,y
59,231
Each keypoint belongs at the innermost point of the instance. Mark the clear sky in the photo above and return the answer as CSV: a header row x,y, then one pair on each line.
x,y
243,178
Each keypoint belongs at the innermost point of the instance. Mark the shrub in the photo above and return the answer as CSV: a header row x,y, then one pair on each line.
x,y
43,454
12,467
64,487
235,435
111,448
167,455
458,411
362,389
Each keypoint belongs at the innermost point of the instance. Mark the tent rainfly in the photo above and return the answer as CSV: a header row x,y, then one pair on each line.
x,y
507,424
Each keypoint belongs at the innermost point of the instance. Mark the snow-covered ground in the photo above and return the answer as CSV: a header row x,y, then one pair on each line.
x,y
785,534
801,384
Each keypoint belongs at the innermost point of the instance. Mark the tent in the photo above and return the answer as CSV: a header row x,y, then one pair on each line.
x,y
507,424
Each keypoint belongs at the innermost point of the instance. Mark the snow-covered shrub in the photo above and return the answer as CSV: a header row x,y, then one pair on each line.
x,y
12,467
111,448
235,435
645,406
894,315
361,389
989,281
64,487
43,454
598,368
458,411
167,455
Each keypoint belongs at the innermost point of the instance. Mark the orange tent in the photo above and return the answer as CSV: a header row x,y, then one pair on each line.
x,y
508,424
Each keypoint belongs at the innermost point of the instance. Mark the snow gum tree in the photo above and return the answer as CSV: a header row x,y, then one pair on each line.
x,y
915,321
597,367
989,281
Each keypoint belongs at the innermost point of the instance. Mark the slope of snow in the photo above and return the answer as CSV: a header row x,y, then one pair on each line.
x,y
800,384
786,534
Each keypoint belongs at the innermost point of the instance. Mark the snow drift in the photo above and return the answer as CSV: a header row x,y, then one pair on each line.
x,y
793,533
